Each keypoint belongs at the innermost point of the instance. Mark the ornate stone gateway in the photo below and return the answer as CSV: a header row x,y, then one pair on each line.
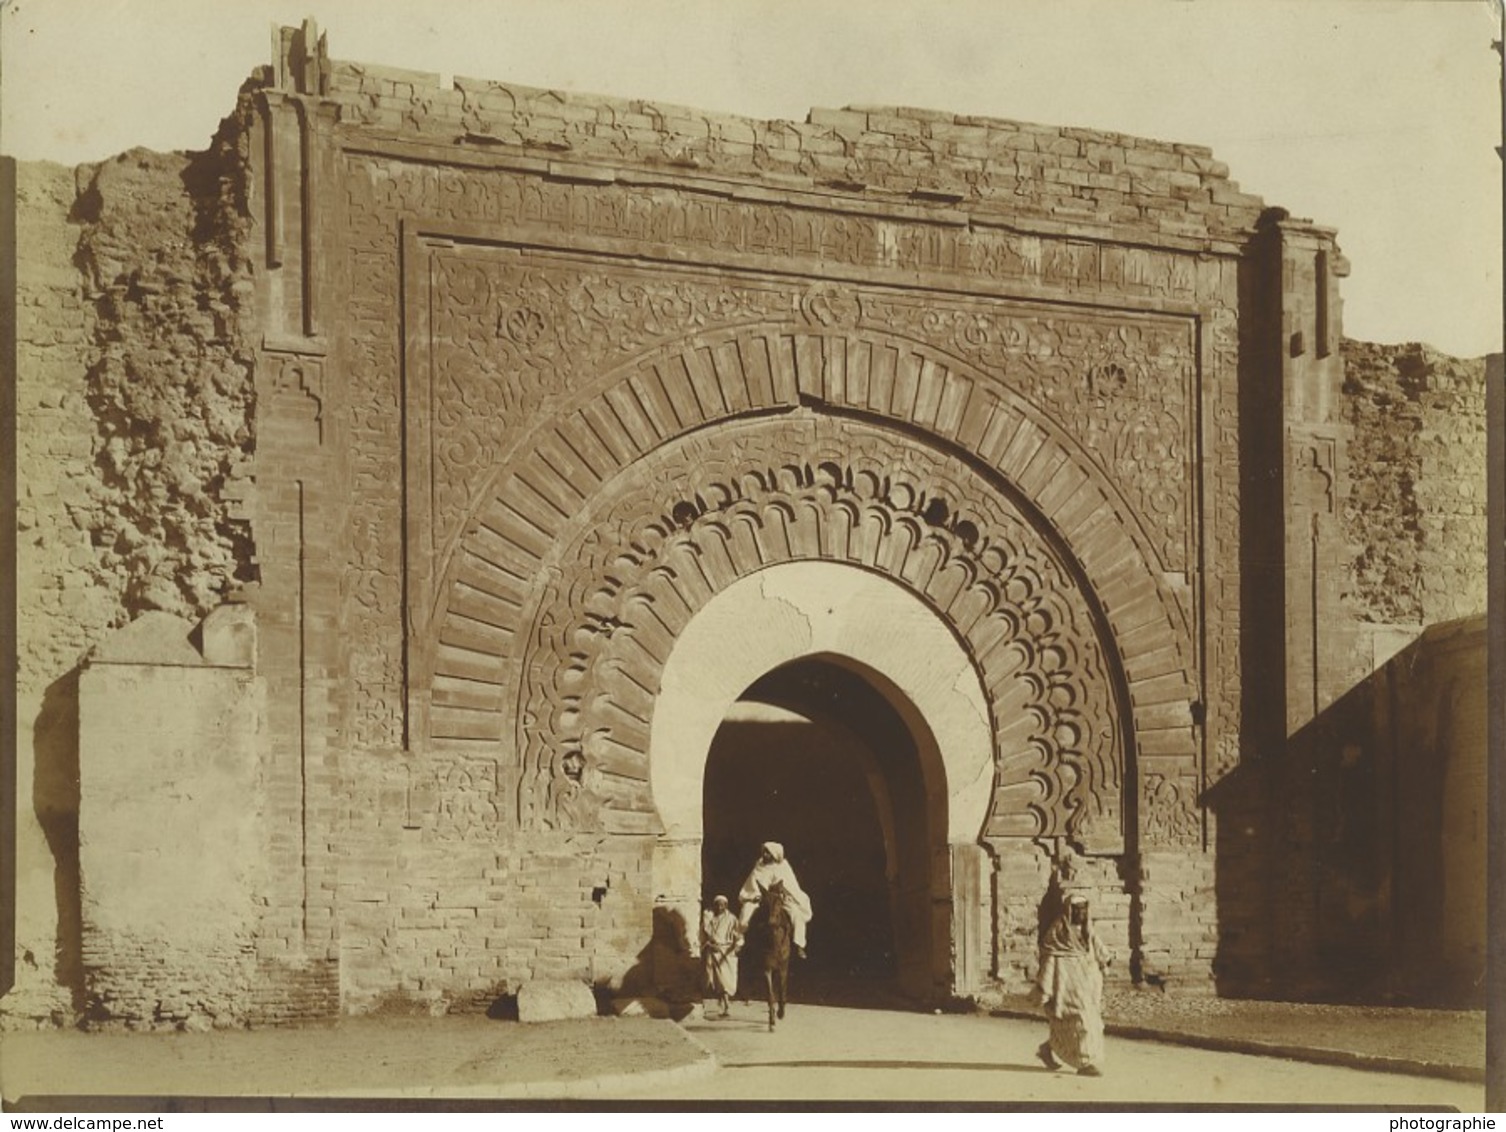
x,y
559,569
577,420
601,450
618,445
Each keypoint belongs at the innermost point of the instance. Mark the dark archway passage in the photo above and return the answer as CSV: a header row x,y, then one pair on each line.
x,y
815,757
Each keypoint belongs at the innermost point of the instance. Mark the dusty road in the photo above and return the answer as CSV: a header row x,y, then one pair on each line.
x,y
830,1053
464,1056
819,1053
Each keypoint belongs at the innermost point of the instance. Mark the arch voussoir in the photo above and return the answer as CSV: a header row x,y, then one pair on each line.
x,y
499,573
725,521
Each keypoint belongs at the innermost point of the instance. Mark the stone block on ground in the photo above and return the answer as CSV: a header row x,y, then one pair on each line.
x,y
552,1000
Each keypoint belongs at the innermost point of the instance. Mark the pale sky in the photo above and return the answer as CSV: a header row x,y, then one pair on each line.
x,y
1376,117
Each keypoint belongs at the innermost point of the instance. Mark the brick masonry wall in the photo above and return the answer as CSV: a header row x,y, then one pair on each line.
x,y
1179,921
440,913
297,940
1086,179
1022,874
1022,881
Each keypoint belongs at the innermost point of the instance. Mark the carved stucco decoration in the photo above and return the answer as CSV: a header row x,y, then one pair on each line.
x,y
509,337
1222,534
446,796
466,798
525,512
371,585
1123,387
831,306
566,318
692,225
695,517
1169,808
510,333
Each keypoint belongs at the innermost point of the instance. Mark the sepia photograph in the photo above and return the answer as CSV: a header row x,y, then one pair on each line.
x,y
762,555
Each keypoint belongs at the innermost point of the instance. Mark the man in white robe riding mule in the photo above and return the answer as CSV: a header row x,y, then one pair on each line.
x,y
771,867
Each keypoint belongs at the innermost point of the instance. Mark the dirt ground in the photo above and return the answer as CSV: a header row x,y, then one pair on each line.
x,y
845,1054
1438,1037
819,1052
1431,1037
355,1056
419,1057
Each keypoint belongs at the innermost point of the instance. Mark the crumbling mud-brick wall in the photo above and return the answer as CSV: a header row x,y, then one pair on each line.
x,y
134,396
169,383
60,608
1397,801
1340,860
133,404
61,498
1415,510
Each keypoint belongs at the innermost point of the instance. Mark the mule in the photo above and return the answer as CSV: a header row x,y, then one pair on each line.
x,y
772,933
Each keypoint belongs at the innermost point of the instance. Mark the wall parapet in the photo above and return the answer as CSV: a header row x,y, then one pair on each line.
x,y
989,168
